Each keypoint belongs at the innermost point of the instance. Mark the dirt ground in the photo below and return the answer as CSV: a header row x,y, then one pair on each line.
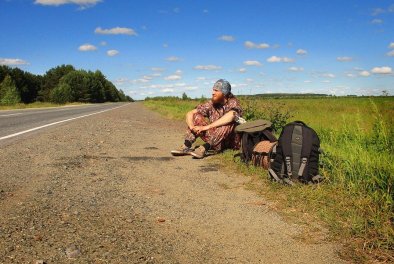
x,y
104,189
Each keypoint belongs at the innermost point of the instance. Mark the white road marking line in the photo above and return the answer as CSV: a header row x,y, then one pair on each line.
x,y
10,114
58,122
30,111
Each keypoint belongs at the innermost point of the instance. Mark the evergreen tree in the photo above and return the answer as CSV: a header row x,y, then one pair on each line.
x,y
184,96
51,79
62,94
8,92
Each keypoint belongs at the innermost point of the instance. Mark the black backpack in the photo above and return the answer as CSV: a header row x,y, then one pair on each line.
x,y
297,155
252,133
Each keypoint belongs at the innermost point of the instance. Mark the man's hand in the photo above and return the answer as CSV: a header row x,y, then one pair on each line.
x,y
199,129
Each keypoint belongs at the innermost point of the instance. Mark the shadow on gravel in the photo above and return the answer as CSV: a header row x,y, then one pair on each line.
x,y
76,162
147,158
209,168
150,148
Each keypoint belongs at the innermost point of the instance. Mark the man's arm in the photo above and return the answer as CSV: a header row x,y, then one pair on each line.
x,y
224,120
189,118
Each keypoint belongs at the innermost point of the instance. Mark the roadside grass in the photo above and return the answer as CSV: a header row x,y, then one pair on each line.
x,y
33,105
356,200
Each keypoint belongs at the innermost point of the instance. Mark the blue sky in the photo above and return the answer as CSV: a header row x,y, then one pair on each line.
x,y
152,48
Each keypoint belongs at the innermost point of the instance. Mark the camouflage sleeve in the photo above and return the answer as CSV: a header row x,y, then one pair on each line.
x,y
204,109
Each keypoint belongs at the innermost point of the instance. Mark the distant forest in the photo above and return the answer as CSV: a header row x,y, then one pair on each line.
x,y
62,84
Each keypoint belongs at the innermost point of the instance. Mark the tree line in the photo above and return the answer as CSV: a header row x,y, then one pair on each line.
x,y
61,84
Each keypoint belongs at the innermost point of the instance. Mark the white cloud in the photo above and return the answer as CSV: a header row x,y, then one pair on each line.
x,y
377,21
84,3
112,53
201,78
158,69
390,54
382,70
87,47
378,11
364,73
175,76
339,90
307,81
238,85
252,63
173,59
191,88
344,59
296,69
252,45
226,38
328,75
326,81
158,86
242,70
279,59
115,31
172,77
9,62
301,52
167,90
391,46
147,77
207,67
165,45
249,80
350,75
122,81
103,43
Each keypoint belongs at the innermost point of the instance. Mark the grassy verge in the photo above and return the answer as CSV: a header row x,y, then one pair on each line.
x,y
33,105
356,200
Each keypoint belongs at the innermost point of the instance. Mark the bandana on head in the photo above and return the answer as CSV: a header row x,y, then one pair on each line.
x,y
223,85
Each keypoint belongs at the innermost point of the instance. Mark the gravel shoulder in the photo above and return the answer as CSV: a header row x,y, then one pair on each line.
x,y
104,189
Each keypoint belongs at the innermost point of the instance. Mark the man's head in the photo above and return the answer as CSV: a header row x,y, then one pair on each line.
x,y
221,90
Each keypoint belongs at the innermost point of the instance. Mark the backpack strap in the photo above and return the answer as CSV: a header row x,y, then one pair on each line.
x,y
274,175
268,134
286,148
302,167
306,149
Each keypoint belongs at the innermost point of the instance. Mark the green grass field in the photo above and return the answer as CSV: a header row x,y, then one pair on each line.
x,y
356,200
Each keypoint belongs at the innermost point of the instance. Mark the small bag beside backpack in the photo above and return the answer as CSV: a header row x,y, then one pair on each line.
x,y
297,155
253,133
264,153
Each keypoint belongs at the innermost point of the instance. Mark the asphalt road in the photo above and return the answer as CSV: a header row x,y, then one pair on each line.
x,y
17,123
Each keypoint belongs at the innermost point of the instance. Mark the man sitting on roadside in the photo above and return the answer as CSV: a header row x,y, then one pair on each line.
x,y
222,111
